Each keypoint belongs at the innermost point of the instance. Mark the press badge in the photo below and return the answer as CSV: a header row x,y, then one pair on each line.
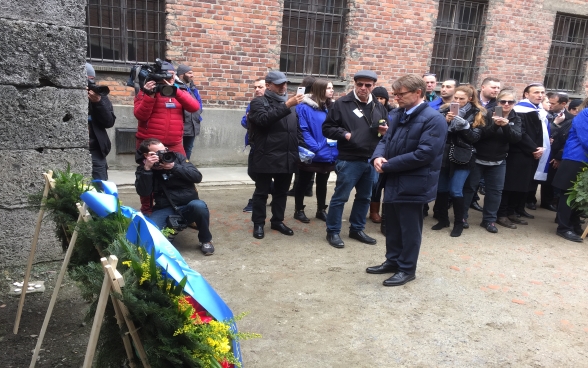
x,y
358,113
170,105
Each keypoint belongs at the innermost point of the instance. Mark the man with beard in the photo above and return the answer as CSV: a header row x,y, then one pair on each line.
x,y
447,91
185,79
488,92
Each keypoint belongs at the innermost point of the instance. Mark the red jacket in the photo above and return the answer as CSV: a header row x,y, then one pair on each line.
x,y
156,120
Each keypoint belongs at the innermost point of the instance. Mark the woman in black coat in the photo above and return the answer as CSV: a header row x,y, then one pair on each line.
x,y
461,135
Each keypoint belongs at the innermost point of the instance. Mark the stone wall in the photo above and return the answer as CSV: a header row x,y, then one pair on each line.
x,y
43,105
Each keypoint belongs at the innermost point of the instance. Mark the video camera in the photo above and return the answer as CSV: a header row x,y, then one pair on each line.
x,y
99,90
155,73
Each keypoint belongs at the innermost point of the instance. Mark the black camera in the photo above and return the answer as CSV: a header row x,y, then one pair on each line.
x,y
158,75
99,90
165,157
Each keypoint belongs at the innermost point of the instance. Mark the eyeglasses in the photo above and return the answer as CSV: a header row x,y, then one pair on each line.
x,y
367,85
506,102
401,94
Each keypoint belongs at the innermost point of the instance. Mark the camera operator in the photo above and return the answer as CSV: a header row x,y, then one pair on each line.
x,y
162,117
170,178
100,118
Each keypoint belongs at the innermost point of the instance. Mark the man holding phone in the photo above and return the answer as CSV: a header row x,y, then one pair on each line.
x,y
275,134
447,91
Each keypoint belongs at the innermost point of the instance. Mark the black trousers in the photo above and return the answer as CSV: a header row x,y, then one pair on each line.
x,y
511,202
99,165
404,232
304,179
567,217
263,184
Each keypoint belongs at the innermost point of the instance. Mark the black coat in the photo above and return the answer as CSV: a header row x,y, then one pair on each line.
x,y
179,183
414,150
463,138
274,136
495,140
364,129
100,117
560,135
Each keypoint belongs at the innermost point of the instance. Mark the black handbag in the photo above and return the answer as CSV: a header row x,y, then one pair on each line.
x,y
459,155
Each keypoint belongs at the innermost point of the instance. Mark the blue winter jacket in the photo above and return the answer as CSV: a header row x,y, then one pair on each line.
x,y
576,148
414,150
311,119
244,125
436,103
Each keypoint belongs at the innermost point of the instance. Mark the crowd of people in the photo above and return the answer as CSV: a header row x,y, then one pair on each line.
x,y
411,144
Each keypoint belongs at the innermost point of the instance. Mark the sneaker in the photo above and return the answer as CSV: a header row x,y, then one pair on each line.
x,y
489,226
207,248
249,207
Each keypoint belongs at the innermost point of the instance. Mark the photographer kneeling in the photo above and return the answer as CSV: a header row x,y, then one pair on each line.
x,y
170,177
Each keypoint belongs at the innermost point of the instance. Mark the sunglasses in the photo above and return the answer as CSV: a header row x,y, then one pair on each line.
x,y
506,102
367,85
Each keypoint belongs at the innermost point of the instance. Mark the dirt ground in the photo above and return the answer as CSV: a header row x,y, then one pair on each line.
x,y
518,298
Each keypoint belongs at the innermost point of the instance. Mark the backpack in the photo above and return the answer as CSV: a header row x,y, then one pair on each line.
x,y
137,77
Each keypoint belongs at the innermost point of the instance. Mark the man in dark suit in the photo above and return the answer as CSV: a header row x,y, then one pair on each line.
x,y
409,159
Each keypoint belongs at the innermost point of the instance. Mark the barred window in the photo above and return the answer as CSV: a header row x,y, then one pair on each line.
x,y
458,39
567,55
312,37
125,31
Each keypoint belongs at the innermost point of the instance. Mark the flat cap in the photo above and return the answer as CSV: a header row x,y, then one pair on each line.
x,y
365,74
276,77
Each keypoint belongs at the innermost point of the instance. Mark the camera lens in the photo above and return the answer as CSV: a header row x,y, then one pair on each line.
x,y
167,91
168,157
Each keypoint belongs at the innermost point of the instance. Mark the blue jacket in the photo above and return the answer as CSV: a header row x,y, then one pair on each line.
x,y
436,103
244,125
414,150
576,148
311,119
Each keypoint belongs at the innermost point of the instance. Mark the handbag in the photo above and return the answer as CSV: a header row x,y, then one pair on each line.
x,y
459,155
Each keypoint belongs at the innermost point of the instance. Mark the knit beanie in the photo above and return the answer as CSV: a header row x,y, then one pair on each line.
x,y
381,92
183,69
90,70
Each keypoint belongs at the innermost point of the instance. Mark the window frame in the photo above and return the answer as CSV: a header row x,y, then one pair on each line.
x,y
113,19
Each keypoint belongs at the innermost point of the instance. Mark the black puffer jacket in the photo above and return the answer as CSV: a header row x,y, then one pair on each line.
x,y
495,140
100,117
364,129
179,183
274,136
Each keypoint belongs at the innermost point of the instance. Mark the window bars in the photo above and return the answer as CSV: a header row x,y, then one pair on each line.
x,y
458,35
125,31
567,56
312,37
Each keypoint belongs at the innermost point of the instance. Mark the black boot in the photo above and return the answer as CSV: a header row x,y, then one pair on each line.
x,y
443,213
300,216
321,212
458,211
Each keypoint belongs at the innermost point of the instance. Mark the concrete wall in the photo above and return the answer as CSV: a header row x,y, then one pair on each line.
x,y
43,105
220,143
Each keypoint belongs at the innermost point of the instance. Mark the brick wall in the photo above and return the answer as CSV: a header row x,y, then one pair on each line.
x,y
230,43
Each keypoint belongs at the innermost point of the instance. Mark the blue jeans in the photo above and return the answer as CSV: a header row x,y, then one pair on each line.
x,y
195,211
494,179
188,143
453,184
350,174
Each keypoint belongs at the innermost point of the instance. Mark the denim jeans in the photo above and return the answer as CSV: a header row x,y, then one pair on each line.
x,y
195,211
350,174
454,184
494,179
188,143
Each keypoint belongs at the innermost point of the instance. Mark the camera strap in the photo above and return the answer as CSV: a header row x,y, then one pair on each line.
x,y
171,202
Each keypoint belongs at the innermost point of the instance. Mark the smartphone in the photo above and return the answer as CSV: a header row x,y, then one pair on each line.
x,y
498,111
300,90
454,108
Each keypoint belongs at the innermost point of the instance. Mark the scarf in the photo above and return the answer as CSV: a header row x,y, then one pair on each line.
x,y
523,107
459,123
275,96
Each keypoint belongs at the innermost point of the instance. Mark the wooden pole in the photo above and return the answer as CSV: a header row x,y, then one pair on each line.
x,y
64,265
125,312
25,284
99,316
585,233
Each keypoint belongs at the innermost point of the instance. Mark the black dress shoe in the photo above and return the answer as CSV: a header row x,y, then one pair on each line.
x,y
531,206
489,226
399,278
570,235
383,268
258,231
282,228
335,240
550,207
474,205
466,225
362,237
578,230
517,220
525,214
